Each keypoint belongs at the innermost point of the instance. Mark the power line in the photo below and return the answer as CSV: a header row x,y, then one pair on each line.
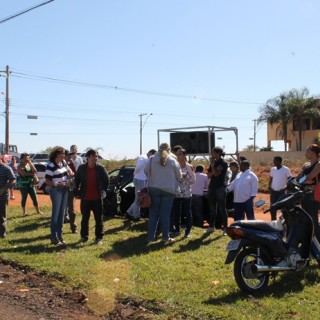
x,y
24,11
117,88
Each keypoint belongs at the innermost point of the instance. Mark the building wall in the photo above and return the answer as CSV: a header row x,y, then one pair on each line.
x,y
266,157
308,136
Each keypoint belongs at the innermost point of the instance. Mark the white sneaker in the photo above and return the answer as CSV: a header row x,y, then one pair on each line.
x,y
99,241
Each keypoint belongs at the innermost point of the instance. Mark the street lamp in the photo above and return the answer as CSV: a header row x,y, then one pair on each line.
x,y
142,125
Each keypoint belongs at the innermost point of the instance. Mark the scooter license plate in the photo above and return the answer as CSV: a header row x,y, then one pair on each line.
x,y
233,245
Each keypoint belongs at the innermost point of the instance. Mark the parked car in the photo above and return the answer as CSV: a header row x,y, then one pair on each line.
x,y
39,157
121,191
41,172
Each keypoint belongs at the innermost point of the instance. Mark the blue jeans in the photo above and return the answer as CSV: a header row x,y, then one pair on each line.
x,y
217,205
59,199
160,210
134,209
240,208
182,208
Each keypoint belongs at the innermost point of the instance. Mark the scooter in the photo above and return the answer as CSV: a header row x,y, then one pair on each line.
x,y
260,249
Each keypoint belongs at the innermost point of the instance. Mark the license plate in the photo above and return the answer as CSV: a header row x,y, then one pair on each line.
x,y
233,245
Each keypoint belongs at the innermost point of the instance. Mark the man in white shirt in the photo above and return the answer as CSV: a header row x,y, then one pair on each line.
x,y
197,190
245,188
279,176
77,160
139,180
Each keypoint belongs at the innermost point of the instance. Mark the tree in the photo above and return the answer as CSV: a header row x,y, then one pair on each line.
x,y
250,148
277,112
47,150
293,106
302,107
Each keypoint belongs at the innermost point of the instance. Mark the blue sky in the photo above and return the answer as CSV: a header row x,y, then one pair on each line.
x,y
189,63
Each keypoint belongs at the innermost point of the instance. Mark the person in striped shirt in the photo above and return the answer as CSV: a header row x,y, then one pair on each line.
x,y
57,178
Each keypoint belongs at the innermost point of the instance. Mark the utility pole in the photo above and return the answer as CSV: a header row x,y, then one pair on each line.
x,y
7,74
141,127
141,115
7,111
254,134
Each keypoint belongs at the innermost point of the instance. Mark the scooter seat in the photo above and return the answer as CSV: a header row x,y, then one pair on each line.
x,y
272,226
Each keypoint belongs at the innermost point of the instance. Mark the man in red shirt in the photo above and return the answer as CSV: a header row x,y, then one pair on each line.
x,y
91,183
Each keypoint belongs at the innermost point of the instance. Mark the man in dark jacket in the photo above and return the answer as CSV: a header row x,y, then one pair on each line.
x,y
91,183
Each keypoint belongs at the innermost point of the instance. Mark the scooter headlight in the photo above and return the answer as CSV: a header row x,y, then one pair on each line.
x,y
235,232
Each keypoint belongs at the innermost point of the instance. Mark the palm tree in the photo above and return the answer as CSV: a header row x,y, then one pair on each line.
x,y
302,107
276,111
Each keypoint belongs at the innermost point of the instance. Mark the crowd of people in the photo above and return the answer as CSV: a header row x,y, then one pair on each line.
x,y
176,189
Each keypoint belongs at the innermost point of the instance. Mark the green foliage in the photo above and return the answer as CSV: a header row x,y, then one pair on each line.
x,y
250,148
293,105
266,149
47,150
185,280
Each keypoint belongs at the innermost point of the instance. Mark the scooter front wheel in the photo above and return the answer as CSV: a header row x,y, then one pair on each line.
x,y
247,278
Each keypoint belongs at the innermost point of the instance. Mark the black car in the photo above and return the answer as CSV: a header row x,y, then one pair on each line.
x,y
121,191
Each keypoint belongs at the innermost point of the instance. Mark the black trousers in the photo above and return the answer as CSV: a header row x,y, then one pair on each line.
x,y
3,217
86,206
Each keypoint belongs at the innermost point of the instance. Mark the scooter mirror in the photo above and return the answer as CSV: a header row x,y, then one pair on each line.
x,y
260,203
302,179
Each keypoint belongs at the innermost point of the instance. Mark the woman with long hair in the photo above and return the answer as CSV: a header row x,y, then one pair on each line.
x,y
57,173
163,173
182,203
312,172
27,177
217,190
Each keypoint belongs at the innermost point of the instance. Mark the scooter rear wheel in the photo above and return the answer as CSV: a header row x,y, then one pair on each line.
x,y
248,280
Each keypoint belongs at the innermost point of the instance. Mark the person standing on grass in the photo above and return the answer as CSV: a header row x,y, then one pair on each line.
x,y
7,180
311,170
57,178
76,159
70,205
91,184
26,175
14,166
217,189
163,172
139,181
197,190
279,176
245,189
182,202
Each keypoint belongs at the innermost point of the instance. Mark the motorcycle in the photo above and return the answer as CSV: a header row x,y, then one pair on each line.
x,y
260,249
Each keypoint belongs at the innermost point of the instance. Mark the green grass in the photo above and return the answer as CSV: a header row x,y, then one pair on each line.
x,y
185,280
